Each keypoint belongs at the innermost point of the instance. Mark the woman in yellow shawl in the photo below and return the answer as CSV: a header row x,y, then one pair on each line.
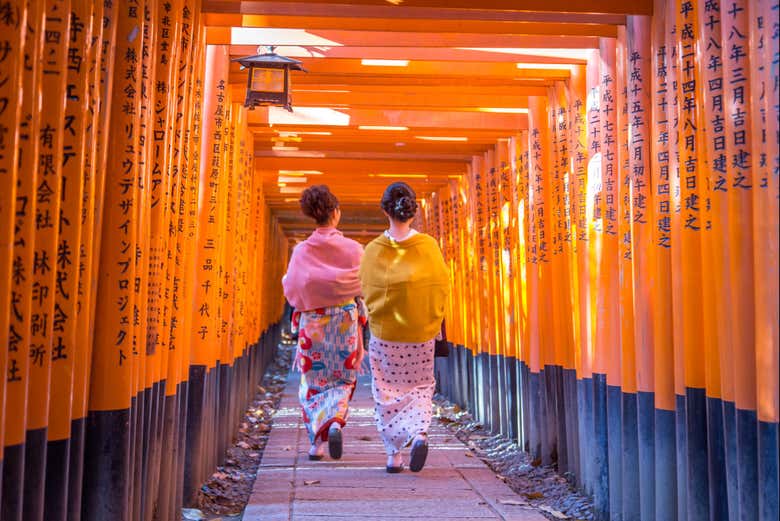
x,y
405,283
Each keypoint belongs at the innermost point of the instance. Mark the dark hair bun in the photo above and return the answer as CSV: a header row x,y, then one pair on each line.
x,y
319,203
405,208
399,201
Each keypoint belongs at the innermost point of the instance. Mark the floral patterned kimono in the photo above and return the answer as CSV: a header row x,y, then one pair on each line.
x,y
328,350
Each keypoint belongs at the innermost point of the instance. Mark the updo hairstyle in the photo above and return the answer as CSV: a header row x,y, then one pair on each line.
x,y
399,201
319,203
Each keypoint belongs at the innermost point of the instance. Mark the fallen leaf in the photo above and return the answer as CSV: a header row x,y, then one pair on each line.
x,y
312,482
536,462
516,502
243,445
534,495
192,514
502,478
468,454
553,512
364,438
288,448
219,475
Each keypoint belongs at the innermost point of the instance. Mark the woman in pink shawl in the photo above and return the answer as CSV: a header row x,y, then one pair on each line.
x,y
322,284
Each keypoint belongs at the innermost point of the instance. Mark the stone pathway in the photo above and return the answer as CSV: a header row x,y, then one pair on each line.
x,y
452,486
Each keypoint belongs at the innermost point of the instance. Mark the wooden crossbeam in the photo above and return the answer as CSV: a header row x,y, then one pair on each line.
x,y
486,55
403,99
398,118
222,35
503,70
467,82
411,25
563,6
361,167
401,12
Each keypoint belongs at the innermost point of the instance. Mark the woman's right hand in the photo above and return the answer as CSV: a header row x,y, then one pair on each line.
x,y
359,358
361,350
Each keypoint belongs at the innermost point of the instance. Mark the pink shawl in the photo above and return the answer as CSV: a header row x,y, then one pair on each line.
x,y
323,270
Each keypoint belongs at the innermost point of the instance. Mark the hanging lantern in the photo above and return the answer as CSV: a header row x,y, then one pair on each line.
x,y
269,79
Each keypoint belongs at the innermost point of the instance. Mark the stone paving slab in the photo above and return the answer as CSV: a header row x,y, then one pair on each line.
x,y
327,493
452,486
377,518
393,507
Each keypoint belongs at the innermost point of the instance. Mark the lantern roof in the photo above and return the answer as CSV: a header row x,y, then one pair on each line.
x,y
270,59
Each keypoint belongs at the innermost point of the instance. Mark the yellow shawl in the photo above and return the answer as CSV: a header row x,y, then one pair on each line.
x,y
406,287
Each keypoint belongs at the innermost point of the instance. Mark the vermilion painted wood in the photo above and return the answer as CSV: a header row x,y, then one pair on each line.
x,y
14,41
411,25
599,6
19,332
